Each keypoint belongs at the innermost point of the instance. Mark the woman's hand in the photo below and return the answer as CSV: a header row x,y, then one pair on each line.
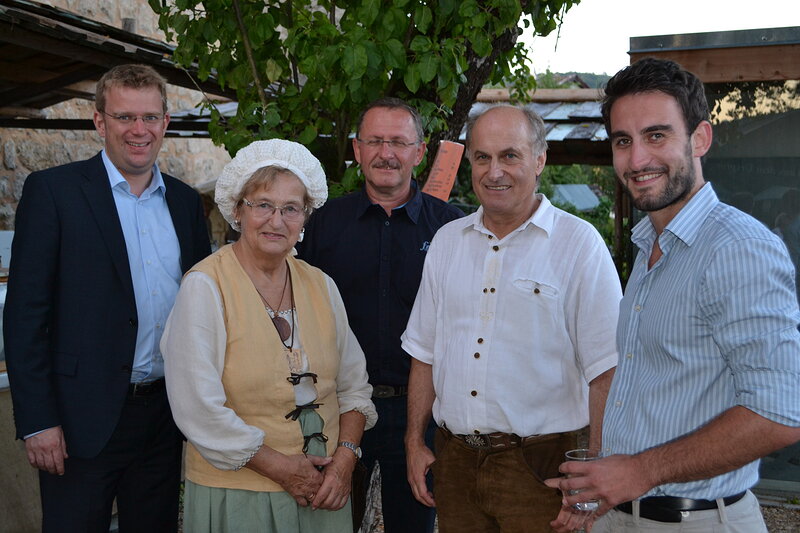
x,y
337,483
297,474
301,479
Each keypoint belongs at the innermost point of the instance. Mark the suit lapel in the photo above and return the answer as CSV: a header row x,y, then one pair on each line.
x,y
98,194
181,220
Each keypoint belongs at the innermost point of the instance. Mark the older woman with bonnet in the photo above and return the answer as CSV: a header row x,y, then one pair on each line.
x,y
264,376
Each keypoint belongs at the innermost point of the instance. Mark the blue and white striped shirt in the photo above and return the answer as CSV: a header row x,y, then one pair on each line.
x,y
711,326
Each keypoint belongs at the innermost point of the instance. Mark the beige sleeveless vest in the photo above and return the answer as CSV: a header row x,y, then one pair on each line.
x,y
255,372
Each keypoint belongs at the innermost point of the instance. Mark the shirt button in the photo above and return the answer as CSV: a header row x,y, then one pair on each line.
x,y
477,432
495,248
491,290
490,237
480,340
476,356
618,403
637,308
629,355
474,393
386,223
149,262
485,289
536,291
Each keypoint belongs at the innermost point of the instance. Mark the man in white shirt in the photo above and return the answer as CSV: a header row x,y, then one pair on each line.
x,y
512,339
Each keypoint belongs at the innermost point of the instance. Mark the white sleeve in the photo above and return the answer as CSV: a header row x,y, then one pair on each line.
x,y
592,307
352,386
419,338
193,346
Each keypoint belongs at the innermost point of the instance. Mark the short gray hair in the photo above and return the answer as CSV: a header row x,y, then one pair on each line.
x,y
535,126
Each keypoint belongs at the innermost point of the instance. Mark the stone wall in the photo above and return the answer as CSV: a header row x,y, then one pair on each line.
x,y
196,161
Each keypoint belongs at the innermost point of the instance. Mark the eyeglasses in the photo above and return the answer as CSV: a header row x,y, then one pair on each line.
x,y
289,212
150,119
393,144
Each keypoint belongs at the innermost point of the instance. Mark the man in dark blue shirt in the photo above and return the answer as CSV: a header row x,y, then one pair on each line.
x,y
373,244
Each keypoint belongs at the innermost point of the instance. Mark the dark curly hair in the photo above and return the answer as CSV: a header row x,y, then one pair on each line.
x,y
659,75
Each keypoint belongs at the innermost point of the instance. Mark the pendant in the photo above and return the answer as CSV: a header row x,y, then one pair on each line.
x,y
282,326
295,360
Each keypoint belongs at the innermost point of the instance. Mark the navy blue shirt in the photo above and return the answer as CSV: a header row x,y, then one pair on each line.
x,y
376,262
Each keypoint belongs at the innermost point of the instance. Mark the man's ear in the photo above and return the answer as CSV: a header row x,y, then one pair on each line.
x,y
357,150
99,123
701,139
541,159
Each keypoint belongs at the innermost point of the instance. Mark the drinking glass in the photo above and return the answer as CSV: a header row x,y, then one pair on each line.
x,y
586,508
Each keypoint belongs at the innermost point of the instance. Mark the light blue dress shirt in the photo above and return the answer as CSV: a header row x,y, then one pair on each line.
x,y
155,260
712,325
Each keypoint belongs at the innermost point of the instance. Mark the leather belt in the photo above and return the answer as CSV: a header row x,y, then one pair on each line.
x,y
492,441
146,389
389,391
669,508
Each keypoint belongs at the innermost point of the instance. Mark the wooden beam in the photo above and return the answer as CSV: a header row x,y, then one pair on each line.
x,y
544,95
721,65
26,112
30,92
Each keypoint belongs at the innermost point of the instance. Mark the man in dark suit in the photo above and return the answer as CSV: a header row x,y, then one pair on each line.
x,y
98,254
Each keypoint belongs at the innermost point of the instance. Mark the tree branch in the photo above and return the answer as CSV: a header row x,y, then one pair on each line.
x,y
480,68
248,49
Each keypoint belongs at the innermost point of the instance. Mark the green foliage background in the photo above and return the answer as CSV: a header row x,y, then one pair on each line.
x,y
303,70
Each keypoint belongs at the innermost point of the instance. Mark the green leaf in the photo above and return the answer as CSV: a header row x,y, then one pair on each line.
x,y
394,55
468,9
265,26
447,7
308,134
354,61
179,22
209,32
420,43
351,179
337,94
273,71
412,78
428,66
393,24
480,43
423,18
354,85
369,11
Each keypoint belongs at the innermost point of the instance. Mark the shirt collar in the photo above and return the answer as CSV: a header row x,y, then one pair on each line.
x,y
116,179
685,225
543,218
413,206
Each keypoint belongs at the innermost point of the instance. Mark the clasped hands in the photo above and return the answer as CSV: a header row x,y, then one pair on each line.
x,y
321,482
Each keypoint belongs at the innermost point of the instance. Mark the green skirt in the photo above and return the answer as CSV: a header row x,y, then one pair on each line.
x,y
218,510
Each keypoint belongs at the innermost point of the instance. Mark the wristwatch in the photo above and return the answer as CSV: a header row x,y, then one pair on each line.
x,y
352,447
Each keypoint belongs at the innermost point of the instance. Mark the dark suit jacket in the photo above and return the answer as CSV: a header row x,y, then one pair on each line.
x,y
70,317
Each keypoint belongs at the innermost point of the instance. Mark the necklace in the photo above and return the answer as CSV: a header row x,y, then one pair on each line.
x,y
280,323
